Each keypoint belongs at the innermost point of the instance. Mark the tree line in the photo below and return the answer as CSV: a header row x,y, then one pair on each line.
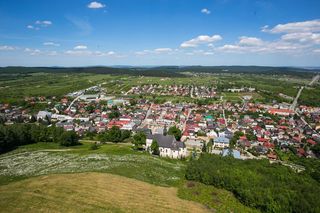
x,y
257,183
13,136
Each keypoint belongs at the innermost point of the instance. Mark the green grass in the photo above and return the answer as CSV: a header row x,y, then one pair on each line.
x,y
219,200
49,158
15,88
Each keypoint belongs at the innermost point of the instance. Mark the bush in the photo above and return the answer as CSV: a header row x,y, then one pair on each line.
x,y
69,139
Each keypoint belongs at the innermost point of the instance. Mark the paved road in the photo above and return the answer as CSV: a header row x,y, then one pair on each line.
x,y
294,103
144,122
185,122
73,102
315,79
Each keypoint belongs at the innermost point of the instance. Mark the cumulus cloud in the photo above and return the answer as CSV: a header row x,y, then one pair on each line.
x,y
302,37
294,27
80,47
205,11
96,5
51,44
250,41
6,47
202,39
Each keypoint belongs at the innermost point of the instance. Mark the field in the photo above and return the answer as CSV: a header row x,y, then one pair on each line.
x,y
14,87
43,173
91,192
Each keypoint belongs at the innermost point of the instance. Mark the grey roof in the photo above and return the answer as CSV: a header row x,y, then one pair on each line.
x,y
222,140
167,141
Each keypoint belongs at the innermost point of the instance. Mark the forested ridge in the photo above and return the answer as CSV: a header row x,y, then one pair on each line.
x,y
258,184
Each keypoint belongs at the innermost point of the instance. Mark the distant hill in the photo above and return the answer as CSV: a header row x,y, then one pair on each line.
x,y
161,71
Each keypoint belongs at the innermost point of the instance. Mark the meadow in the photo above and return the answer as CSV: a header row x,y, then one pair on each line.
x,y
47,173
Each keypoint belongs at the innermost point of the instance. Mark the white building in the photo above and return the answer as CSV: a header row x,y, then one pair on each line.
x,y
168,146
221,142
43,115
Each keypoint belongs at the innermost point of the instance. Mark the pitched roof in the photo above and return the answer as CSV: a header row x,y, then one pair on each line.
x,y
167,141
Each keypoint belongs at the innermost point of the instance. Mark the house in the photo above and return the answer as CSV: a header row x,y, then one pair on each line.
x,y
44,115
194,144
168,146
231,152
221,142
283,112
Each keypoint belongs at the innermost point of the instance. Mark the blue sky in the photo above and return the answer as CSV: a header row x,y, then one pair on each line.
x,y
159,32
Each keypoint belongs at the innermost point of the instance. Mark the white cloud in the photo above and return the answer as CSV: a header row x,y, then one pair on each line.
x,y
44,23
250,41
51,44
316,51
96,5
39,24
205,11
143,52
33,51
6,47
302,37
78,52
84,52
294,27
163,50
202,39
80,47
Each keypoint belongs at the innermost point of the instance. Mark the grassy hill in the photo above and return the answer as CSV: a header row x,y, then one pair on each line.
x,y
91,192
47,177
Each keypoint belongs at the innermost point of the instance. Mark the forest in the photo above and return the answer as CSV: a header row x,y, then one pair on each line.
x,y
257,183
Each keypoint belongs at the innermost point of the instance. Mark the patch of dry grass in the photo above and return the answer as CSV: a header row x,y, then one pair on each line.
x,y
91,192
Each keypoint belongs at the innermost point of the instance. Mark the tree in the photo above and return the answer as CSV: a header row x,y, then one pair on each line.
x,y
125,134
176,132
69,138
139,140
114,114
204,147
114,134
316,149
155,148
250,136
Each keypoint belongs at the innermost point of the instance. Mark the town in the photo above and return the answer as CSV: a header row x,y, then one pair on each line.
x,y
244,130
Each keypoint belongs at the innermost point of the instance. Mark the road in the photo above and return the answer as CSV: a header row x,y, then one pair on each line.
x,y
191,92
315,79
144,122
294,103
185,122
73,102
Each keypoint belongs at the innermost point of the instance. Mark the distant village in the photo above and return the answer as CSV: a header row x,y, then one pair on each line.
x,y
244,130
